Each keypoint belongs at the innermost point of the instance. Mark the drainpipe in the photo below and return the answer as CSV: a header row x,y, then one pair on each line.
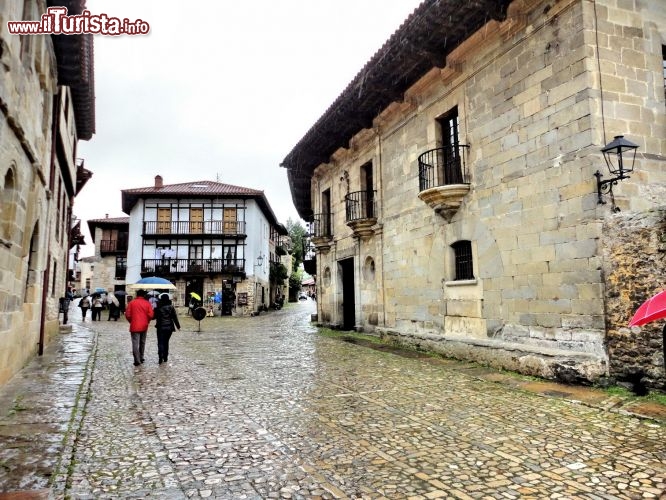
x,y
45,291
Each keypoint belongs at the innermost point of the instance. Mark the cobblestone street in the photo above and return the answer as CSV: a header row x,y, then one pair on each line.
x,y
264,407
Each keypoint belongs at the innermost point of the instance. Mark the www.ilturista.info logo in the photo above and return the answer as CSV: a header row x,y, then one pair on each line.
x,y
55,21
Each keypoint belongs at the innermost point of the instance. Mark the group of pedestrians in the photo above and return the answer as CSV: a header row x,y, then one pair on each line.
x,y
95,303
139,313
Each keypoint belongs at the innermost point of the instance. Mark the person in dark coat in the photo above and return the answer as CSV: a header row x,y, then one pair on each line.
x,y
166,322
84,304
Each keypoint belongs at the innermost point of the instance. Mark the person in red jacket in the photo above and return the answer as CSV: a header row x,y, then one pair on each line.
x,y
139,312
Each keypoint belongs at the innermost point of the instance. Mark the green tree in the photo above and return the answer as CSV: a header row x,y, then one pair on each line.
x,y
278,273
297,233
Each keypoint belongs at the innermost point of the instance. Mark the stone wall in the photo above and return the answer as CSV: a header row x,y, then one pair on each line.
x,y
634,247
529,97
26,95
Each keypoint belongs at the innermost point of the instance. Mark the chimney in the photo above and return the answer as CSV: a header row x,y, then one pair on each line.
x,y
158,181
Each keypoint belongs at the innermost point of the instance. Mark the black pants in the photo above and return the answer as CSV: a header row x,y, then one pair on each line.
x,y
96,313
163,337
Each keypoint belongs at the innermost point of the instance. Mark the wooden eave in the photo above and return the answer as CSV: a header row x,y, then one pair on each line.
x,y
76,69
422,42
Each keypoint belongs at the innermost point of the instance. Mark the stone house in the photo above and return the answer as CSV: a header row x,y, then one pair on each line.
x,y
207,238
46,107
452,193
110,236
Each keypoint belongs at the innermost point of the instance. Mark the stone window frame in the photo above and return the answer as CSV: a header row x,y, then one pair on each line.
x,y
8,202
463,261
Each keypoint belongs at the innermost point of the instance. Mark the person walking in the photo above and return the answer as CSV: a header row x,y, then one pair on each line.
x,y
166,322
97,306
114,309
139,312
84,304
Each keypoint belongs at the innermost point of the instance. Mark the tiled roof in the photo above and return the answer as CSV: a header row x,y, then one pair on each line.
x,y
110,220
196,188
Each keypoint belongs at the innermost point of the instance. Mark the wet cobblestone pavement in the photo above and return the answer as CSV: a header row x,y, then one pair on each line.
x,y
264,407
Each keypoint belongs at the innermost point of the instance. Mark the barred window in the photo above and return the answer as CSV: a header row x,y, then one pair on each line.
x,y
463,258
663,58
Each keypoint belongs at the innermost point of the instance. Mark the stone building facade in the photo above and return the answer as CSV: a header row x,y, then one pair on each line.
x,y
46,106
451,185
110,236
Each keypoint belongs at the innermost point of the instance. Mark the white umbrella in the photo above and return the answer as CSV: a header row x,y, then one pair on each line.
x,y
152,283
112,299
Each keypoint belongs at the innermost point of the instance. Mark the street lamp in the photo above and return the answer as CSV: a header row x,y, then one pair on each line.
x,y
260,260
618,166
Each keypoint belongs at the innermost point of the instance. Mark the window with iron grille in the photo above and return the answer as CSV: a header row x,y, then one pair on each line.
x,y
663,58
463,260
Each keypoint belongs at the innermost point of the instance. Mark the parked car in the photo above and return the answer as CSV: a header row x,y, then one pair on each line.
x,y
302,296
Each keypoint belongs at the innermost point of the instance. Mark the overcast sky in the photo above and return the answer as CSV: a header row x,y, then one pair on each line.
x,y
220,90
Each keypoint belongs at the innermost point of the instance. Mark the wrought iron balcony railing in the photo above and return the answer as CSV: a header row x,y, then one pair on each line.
x,y
113,246
234,228
320,226
443,166
192,266
360,205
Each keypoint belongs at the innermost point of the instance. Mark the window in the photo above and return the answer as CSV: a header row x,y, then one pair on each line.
x,y
55,276
325,221
463,260
663,63
26,41
450,162
8,203
121,267
367,183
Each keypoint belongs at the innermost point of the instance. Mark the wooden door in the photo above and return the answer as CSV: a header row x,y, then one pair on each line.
x,y
164,220
196,220
230,225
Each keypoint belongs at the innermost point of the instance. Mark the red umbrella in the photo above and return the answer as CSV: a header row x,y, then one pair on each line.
x,y
652,309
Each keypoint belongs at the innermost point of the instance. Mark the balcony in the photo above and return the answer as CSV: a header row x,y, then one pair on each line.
x,y
166,267
107,247
200,228
320,231
360,211
310,265
444,179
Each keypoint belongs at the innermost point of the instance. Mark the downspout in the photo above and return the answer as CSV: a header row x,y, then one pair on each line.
x,y
47,271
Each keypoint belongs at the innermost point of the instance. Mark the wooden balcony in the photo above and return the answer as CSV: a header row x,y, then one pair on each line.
x,y
170,267
109,247
444,179
202,228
